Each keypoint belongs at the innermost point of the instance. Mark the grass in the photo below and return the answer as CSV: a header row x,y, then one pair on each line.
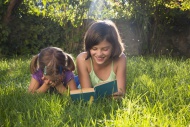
x,y
158,95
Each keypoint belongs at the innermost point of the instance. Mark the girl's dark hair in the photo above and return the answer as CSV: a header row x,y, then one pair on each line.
x,y
54,59
100,31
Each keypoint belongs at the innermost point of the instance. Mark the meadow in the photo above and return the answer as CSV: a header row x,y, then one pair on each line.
x,y
158,95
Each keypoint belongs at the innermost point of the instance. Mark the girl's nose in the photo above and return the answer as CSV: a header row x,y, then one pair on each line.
x,y
99,52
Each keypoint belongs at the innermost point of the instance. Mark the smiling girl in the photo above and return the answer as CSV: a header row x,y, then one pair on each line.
x,y
103,59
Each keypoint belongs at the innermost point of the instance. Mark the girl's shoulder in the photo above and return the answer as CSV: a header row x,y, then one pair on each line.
x,y
120,61
82,55
82,58
38,72
82,63
121,58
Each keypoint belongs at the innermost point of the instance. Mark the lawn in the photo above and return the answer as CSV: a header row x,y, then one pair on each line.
x,y
158,95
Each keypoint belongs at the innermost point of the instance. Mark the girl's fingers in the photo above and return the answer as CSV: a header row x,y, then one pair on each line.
x,y
51,83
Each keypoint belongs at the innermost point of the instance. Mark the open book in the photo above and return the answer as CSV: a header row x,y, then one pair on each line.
x,y
100,90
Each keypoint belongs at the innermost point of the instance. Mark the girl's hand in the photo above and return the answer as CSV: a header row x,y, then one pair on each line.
x,y
120,94
60,88
55,83
48,82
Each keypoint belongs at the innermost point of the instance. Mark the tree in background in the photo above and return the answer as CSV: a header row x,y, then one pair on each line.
x,y
29,25
154,19
13,5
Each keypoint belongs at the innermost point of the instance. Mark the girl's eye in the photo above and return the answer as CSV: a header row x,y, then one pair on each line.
x,y
94,48
105,49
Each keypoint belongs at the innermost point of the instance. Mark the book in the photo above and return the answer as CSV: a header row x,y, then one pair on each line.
x,y
101,90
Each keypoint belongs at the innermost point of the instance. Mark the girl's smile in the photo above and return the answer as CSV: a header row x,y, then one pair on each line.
x,y
101,53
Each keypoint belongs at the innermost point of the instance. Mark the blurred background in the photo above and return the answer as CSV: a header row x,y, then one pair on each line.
x,y
147,27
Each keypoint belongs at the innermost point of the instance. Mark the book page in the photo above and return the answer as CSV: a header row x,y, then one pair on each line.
x,y
83,90
105,82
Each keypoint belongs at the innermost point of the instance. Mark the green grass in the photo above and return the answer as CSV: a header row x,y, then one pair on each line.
x,y
158,95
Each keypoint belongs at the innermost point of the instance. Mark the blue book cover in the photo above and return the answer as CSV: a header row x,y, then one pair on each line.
x,y
100,90
106,88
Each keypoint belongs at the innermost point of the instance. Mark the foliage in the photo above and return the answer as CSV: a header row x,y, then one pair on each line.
x,y
157,95
102,9
154,19
5,31
29,38
39,23
60,11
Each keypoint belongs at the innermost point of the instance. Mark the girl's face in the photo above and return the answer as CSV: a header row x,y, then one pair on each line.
x,y
101,53
52,81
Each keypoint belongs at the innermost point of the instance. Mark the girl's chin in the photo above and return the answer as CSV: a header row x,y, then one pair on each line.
x,y
100,61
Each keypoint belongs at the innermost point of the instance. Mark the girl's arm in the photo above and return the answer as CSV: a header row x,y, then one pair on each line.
x,y
72,85
35,86
82,70
121,75
61,88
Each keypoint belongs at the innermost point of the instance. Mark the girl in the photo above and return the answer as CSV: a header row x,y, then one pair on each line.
x,y
52,70
103,59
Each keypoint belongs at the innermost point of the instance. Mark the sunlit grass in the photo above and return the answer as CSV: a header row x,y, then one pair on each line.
x,y
158,94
